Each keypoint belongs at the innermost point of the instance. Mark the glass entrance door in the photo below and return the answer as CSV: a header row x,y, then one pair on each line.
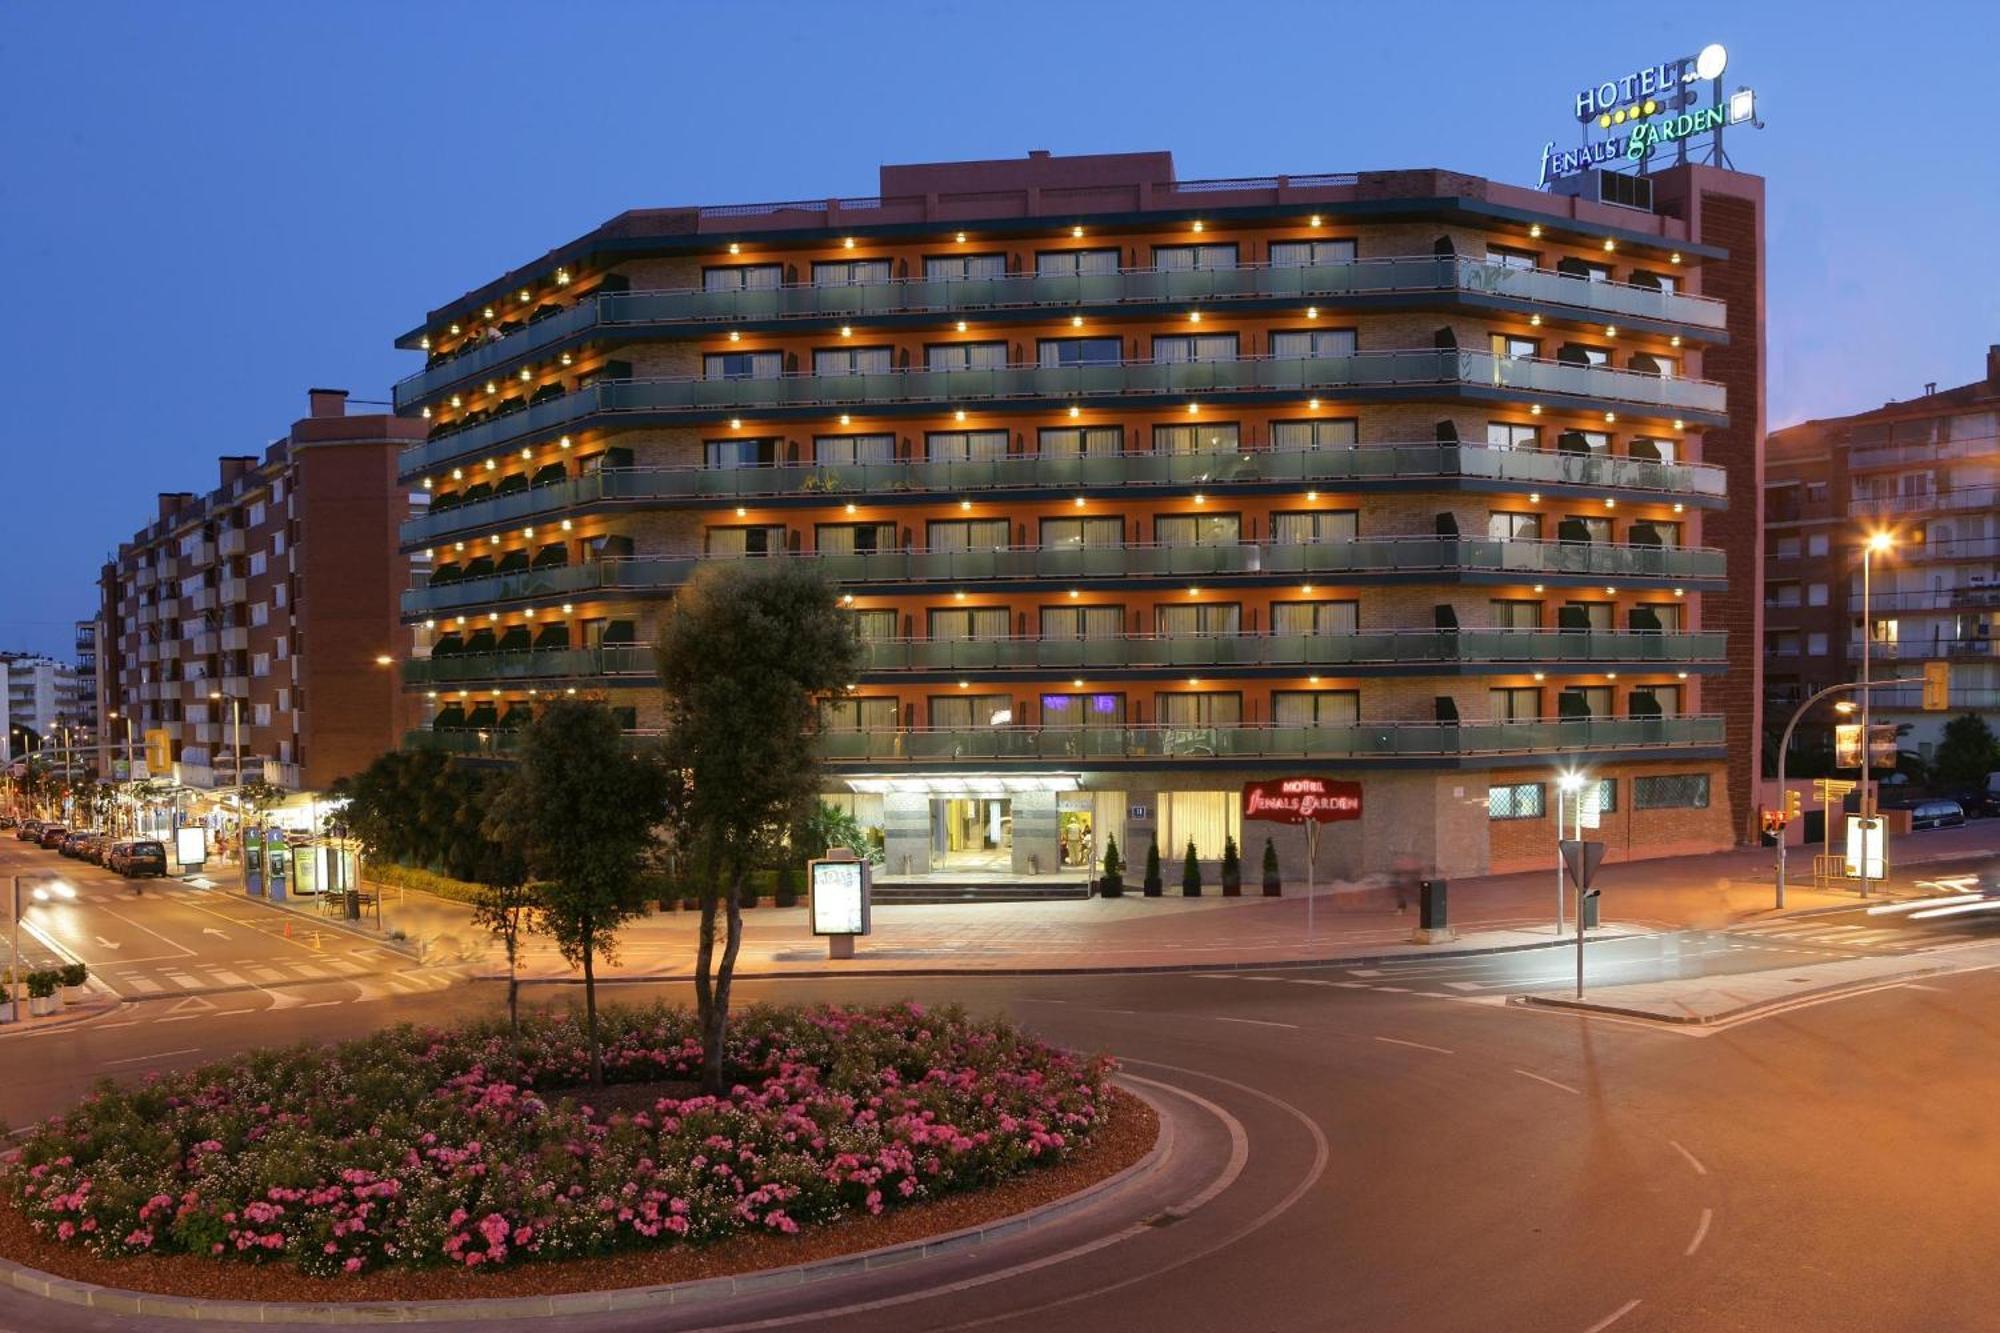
x,y
972,834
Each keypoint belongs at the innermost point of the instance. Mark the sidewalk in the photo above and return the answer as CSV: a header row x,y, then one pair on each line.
x,y
1711,1000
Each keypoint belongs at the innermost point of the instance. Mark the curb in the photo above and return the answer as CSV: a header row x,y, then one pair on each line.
x,y
403,947
104,1005
1728,1015
695,1291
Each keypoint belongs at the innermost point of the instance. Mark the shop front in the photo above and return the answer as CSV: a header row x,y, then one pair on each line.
x,y
982,828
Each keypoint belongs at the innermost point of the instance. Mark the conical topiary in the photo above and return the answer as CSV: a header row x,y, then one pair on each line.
x,y
1272,888
1190,874
1113,883
1232,869
1154,884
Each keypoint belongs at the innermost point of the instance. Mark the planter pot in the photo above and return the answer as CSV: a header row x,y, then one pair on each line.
x,y
6,1011
1273,889
75,994
40,1006
1111,888
1154,890
1232,890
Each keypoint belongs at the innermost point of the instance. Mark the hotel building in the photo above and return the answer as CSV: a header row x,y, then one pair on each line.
x,y
1140,488
1927,470
268,602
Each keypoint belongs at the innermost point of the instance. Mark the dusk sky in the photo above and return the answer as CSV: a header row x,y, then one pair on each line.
x,y
210,208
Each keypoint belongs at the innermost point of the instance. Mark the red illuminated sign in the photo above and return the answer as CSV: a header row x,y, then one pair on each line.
x,y
1302,800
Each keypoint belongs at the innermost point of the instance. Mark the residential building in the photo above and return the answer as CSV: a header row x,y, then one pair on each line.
x,y
41,701
260,616
1926,470
86,708
1139,489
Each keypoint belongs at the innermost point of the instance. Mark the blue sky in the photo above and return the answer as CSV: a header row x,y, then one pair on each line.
x,y
208,208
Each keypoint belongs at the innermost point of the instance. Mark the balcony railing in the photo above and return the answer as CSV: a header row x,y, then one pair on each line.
x,y
1356,466
532,664
1364,557
1524,377
1361,741
1925,451
1019,292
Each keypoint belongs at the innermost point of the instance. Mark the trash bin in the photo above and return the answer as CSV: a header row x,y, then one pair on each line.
x,y
1431,904
1589,908
353,897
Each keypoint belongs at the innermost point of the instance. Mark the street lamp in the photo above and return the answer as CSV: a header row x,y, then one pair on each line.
x,y
1568,783
242,823
1879,543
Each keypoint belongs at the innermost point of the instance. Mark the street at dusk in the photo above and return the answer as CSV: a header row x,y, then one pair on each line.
x,y
791,667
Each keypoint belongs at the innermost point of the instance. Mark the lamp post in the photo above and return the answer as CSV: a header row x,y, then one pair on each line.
x,y
1568,783
1878,542
242,820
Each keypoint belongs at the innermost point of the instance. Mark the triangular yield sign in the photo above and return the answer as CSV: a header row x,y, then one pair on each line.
x,y
1582,860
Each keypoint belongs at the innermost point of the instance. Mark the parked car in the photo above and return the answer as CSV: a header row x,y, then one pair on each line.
x,y
89,847
137,856
1936,814
8,821
73,842
100,848
29,831
51,834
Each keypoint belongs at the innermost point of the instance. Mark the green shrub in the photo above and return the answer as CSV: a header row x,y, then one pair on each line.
x,y
41,985
1272,887
424,881
1113,883
1154,884
1232,869
787,892
1190,873
74,974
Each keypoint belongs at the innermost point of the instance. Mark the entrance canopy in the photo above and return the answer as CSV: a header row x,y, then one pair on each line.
x,y
964,784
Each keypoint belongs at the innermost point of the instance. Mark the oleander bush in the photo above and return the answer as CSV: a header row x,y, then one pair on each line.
x,y
420,1147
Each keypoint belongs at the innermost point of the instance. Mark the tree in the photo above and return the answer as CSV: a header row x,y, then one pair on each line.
x,y
1232,868
507,909
748,655
1967,752
1190,873
585,809
420,808
1153,885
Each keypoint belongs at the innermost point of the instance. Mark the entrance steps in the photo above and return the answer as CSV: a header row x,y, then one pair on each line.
x,y
941,890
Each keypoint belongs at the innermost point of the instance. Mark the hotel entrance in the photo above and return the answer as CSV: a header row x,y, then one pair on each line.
x,y
972,833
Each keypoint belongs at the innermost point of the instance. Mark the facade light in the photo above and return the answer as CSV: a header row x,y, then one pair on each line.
x,y
846,331
735,249
1679,508
1674,258
847,599
846,420
562,277
492,387
1610,591
1674,341
1193,408
735,336
1306,588
454,330
1610,416
1680,592
427,483
1312,680
1315,221
961,326
1075,411
1534,321
1611,330
1609,245
965,504
850,506
736,423
1610,503
741,512
1200,499
489,312
1538,587
1077,683
427,414
1679,424
563,442
527,453
1539,675
1534,409
1535,231
1312,495
965,684
960,238
456,400
1079,502
565,525
566,608
1076,232
1074,594
958,415
847,243
1312,312
1194,316
1197,226
960,595
492,463
1194,592
1534,497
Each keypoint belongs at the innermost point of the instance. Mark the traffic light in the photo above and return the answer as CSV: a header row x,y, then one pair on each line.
x,y
1791,805
1937,687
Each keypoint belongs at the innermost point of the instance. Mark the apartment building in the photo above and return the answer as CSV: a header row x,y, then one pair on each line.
x,y
260,616
1140,488
42,708
1927,471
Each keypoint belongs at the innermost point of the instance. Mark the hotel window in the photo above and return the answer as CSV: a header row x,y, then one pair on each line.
x,y
1215,438
958,446
1576,702
853,538
1816,643
1597,617
1338,433
1181,348
257,514
1076,263
1594,442
1580,354
1607,796
1201,620
850,272
1666,614
1786,548
1308,619
1300,527
1095,533
1198,529
852,449
1315,708
1509,348
1507,435
1083,622
1518,800
859,715
853,360
1208,819
1666,701
1816,594
1525,260
875,625
1516,614
1300,254
1816,542
964,712
1653,449
1584,528
763,539
742,278
1087,442
1291,344
260,665
1665,282
964,268
968,622
1782,644
1510,527
1671,791
1515,703
1817,493
761,452
742,365
1192,708
1053,353
965,356
1189,258
258,562
966,534
1082,710
1661,530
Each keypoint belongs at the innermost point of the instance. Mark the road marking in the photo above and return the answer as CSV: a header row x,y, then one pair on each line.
x,y
177,1018
144,984
1692,1160
1612,1318
1526,1073
321,1004
1352,985
182,979
162,1055
1399,990
1466,985
1918,985
267,974
1364,971
226,978
127,1023
1414,1045
1700,1230
1258,1022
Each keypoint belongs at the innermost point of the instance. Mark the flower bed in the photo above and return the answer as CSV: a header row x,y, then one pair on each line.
x,y
419,1148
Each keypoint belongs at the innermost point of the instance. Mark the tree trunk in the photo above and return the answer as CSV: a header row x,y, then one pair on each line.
x,y
513,981
716,1029
590,1008
704,959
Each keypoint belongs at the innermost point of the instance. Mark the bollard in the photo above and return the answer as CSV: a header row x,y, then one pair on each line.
x,y
1433,923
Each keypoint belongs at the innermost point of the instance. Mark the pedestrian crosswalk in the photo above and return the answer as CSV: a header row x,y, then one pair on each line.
x,y
1808,935
241,974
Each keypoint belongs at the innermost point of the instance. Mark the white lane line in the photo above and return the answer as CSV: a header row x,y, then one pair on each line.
x,y
1692,1160
1465,985
1701,1230
1399,990
179,1018
1612,1318
1414,1045
1364,971
145,984
321,1004
161,1055
1352,985
1527,1073
1255,1022
127,1023
225,977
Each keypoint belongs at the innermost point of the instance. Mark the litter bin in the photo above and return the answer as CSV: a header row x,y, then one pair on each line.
x,y
1431,904
353,904
1589,908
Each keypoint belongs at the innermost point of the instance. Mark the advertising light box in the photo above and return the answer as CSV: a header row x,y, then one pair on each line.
x,y
191,844
839,892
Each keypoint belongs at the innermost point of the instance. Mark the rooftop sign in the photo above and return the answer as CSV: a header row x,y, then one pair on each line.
x,y
1640,111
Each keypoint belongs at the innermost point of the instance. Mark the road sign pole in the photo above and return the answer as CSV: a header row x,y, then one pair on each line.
x,y
14,962
1312,865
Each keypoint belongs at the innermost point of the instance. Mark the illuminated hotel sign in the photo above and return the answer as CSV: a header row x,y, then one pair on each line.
x,y
1642,110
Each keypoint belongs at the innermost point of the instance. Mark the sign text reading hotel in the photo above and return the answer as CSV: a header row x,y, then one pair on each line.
x,y
1302,800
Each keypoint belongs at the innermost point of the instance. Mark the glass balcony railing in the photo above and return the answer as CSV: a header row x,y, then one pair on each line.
x,y
1441,369
1319,467
1127,288
532,664
1358,742
1363,558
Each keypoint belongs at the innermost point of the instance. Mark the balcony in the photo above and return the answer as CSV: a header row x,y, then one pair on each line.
x,y
1399,559
233,591
147,615
194,775
148,652
1362,743
236,687
199,553
1397,375
536,664
1129,289
1365,466
229,542
145,578
236,640
201,645
1860,459
280,774
204,733
202,599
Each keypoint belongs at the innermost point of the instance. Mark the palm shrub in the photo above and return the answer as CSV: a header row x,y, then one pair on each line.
x,y
1113,883
1190,873
1232,869
1154,885
1272,887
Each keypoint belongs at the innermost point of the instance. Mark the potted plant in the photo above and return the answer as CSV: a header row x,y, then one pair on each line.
x,y
42,998
1154,885
1113,883
787,893
7,993
73,977
1232,869
1272,888
1190,873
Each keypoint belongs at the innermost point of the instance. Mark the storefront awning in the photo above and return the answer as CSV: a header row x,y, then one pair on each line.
x,y
964,784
